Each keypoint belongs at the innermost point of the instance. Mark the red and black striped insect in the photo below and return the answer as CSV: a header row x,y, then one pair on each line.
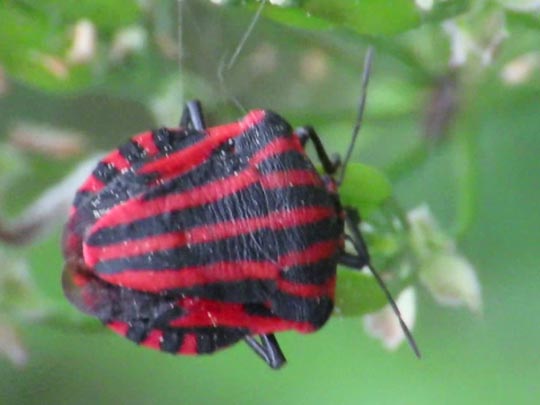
x,y
188,240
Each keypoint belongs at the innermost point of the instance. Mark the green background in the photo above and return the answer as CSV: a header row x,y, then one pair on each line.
x,y
468,359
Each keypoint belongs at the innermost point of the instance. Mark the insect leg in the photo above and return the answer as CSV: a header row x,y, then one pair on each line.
x,y
267,349
360,260
306,133
193,116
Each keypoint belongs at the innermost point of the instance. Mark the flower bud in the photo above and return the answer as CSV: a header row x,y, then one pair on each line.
x,y
83,47
127,41
11,346
425,5
452,281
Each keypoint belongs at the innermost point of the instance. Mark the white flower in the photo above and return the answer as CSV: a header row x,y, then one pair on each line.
x,y
128,41
11,345
425,5
521,5
452,281
520,69
83,46
448,276
384,324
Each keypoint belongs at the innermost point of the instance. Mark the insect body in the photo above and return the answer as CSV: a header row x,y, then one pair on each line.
x,y
188,240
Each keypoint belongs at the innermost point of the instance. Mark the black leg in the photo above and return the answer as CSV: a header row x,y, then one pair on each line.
x,y
267,349
353,261
193,117
330,165
362,259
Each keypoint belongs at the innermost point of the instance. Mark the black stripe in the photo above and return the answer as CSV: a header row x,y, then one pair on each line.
x,y
132,151
291,160
257,309
258,136
105,172
252,291
92,206
316,311
252,202
172,340
165,141
263,245
109,302
215,168
172,140
138,330
211,339
315,273
126,186
81,196
223,163
225,160
129,185
237,292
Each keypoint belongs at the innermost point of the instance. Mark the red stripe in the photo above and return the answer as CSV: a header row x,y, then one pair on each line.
x,y
117,160
119,327
276,147
92,184
146,141
181,161
205,233
308,290
208,313
137,208
315,253
71,246
291,178
155,281
185,159
189,345
153,339
251,119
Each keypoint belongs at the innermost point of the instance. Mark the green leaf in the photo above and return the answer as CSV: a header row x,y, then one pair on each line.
x,y
12,164
105,14
364,187
443,10
357,293
367,17
370,17
296,17
35,37
524,20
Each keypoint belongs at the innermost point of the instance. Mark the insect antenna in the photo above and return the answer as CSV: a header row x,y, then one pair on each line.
x,y
353,222
404,327
352,215
225,66
360,112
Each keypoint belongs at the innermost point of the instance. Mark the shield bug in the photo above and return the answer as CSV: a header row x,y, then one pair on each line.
x,y
190,239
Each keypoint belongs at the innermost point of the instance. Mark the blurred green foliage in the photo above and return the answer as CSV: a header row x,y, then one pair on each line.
x,y
452,120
